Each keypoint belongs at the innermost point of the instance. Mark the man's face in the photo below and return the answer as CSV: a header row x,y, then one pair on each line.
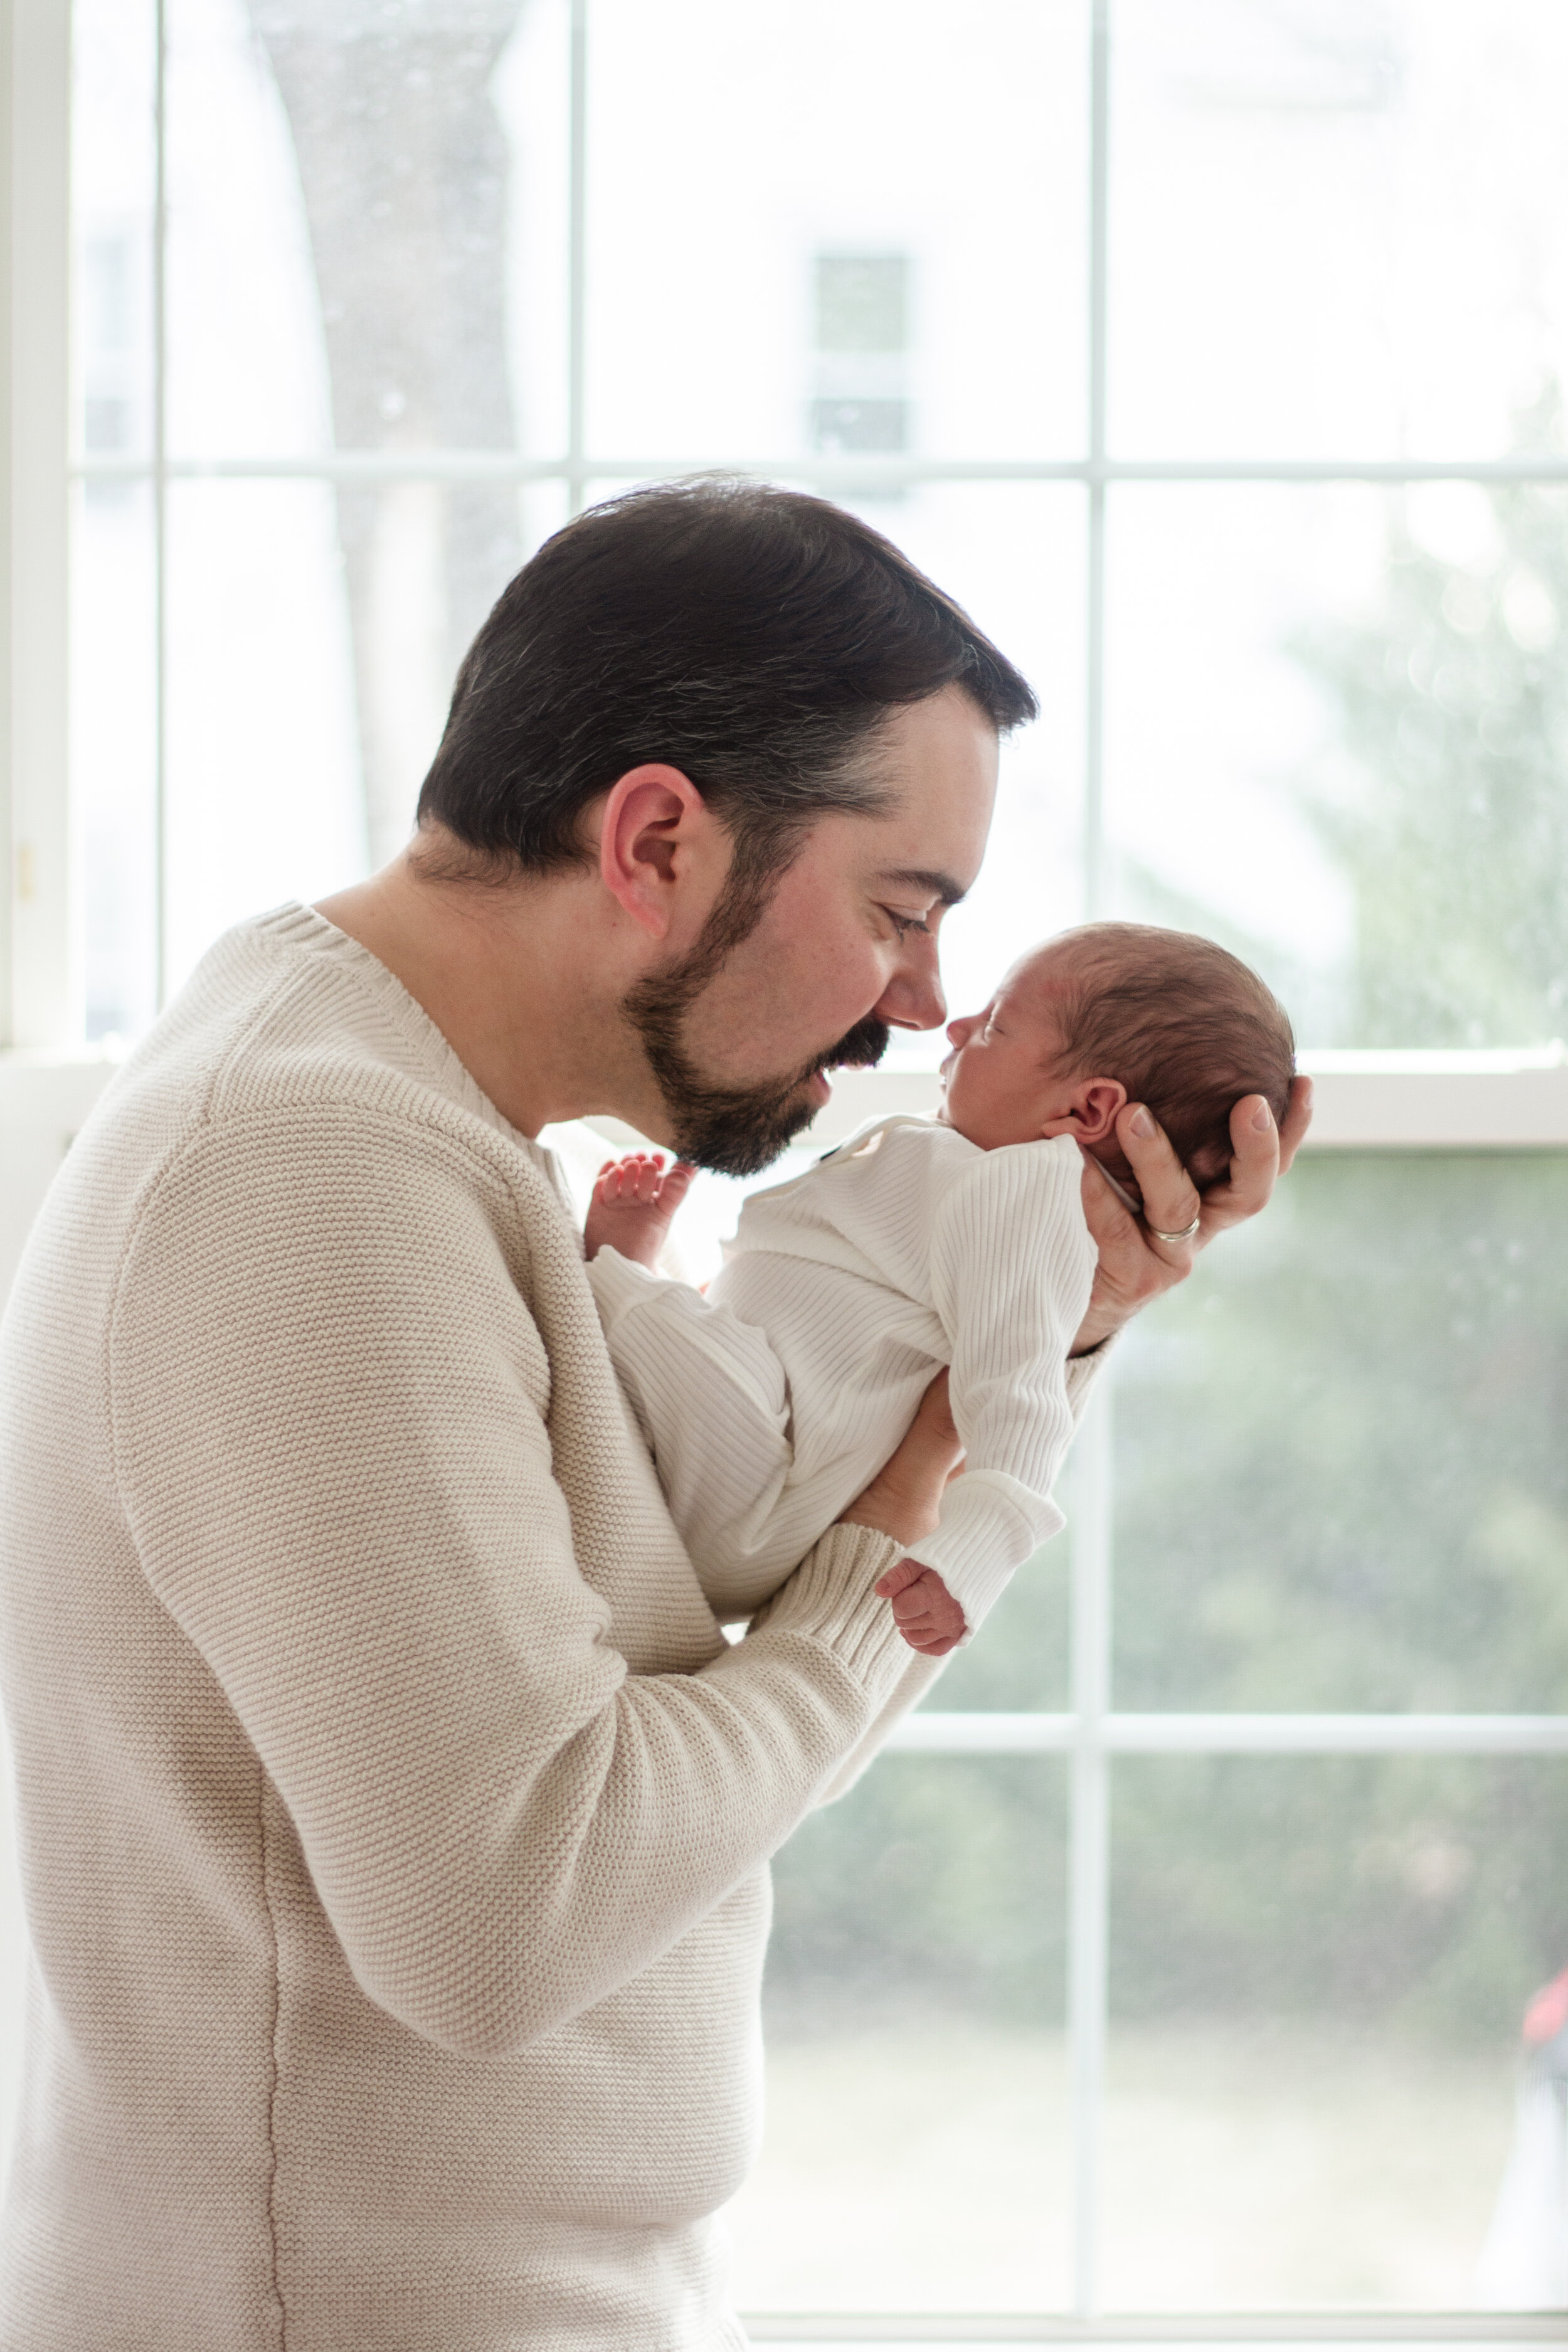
x,y
845,949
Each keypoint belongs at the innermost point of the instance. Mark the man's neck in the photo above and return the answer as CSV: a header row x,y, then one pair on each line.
x,y
505,970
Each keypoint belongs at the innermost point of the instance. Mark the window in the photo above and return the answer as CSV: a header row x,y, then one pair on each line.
x,y
862,339
1213,352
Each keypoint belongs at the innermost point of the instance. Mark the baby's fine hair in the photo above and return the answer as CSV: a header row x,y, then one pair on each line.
x,y
1186,1026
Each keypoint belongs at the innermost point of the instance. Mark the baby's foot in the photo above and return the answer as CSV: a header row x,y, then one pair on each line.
x,y
634,1200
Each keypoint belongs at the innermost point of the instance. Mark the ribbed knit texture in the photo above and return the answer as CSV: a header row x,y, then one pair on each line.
x,y
770,1402
394,1815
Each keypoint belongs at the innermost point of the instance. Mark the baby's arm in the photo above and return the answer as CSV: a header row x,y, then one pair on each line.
x,y
710,1399
633,1203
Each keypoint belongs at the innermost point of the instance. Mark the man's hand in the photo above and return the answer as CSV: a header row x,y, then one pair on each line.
x,y
1134,1264
925,1611
904,1499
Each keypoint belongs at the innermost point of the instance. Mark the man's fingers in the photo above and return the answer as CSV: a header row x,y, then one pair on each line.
x,y
1260,1152
1254,1165
1297,1120
1169,1195
1105,1212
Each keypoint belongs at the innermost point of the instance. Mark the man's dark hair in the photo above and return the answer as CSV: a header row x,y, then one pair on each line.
x,y
1186,1026
751,636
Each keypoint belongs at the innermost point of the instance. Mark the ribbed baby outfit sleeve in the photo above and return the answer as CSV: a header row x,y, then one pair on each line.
x,y
713,1405
1012,1265
333,1415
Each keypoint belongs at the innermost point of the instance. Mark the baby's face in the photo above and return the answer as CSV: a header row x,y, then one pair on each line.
x,y
999,1083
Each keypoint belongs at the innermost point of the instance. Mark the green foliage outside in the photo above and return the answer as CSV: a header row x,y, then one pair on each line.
x,y
1342,1482
1452,704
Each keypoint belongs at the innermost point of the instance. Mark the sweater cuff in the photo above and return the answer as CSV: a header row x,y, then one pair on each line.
x,y
990,1525
1083,1372
618,1284
832,1597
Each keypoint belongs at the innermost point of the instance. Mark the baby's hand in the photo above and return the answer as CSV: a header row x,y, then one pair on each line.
x,y
634,1200
927,1616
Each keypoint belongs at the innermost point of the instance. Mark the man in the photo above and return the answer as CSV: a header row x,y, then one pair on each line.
x,y
394,1814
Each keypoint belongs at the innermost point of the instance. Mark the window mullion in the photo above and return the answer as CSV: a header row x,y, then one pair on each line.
x,y
40,971
1088,1832
577,264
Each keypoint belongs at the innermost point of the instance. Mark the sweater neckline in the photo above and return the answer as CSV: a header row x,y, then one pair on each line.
x,y
296,925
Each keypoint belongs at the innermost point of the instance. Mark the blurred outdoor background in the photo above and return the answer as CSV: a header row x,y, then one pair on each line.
x,y
1333,734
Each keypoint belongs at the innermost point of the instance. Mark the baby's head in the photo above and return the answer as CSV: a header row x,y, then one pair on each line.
x,y
1118,1013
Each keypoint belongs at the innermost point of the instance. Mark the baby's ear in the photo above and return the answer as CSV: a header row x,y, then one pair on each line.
x,y
1090,1110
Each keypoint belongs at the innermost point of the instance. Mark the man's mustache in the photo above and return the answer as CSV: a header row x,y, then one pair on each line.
x,y
860,1047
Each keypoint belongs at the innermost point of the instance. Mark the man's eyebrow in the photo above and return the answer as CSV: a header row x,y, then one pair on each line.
x,y
920,878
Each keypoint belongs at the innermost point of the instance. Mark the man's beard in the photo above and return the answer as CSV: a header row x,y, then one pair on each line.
x,y
733,1131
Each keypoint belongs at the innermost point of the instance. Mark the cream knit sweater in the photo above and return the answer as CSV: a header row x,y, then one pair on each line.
x,y
394,1814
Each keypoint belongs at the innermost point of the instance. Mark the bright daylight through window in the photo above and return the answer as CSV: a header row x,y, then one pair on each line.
x,y
1214,353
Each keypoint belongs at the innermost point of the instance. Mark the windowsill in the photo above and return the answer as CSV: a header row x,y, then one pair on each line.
x,y
900,2332
1509,1099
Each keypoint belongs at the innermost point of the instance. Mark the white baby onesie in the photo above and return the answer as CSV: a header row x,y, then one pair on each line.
x,y
772,1401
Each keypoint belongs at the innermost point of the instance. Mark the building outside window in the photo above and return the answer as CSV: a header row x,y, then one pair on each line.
x,y
1213,352
862,352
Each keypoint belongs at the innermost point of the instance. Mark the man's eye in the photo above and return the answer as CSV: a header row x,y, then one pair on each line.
x,y
905,924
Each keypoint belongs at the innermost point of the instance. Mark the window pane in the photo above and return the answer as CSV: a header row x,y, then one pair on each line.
x,y
367,227
264,798
112,168
301,717
1337,229
113,750
1319,1970
1020,1660
1333,741
1340,1473
857,228
1012,554
914,2158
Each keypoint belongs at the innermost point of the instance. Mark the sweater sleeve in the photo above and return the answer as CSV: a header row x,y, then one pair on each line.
x,y
333,1423
1012,1266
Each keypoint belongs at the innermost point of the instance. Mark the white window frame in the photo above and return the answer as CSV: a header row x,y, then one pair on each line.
x,y
1494,1101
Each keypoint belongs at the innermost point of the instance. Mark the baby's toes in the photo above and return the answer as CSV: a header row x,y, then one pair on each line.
x,y
675,1185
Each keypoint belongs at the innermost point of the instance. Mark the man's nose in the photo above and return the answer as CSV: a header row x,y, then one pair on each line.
x,y
913,998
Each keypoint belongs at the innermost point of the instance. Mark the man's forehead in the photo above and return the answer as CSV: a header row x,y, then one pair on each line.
x,y
935,761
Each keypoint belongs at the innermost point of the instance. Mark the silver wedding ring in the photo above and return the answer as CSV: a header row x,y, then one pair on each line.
x,y
1185,1235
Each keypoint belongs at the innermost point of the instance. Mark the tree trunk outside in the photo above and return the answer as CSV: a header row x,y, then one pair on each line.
x,y
404,163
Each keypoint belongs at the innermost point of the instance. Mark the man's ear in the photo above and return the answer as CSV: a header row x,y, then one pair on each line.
x,y
651,818
1090,1110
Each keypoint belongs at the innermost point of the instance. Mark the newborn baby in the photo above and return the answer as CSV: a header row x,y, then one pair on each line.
x,y
770,1402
